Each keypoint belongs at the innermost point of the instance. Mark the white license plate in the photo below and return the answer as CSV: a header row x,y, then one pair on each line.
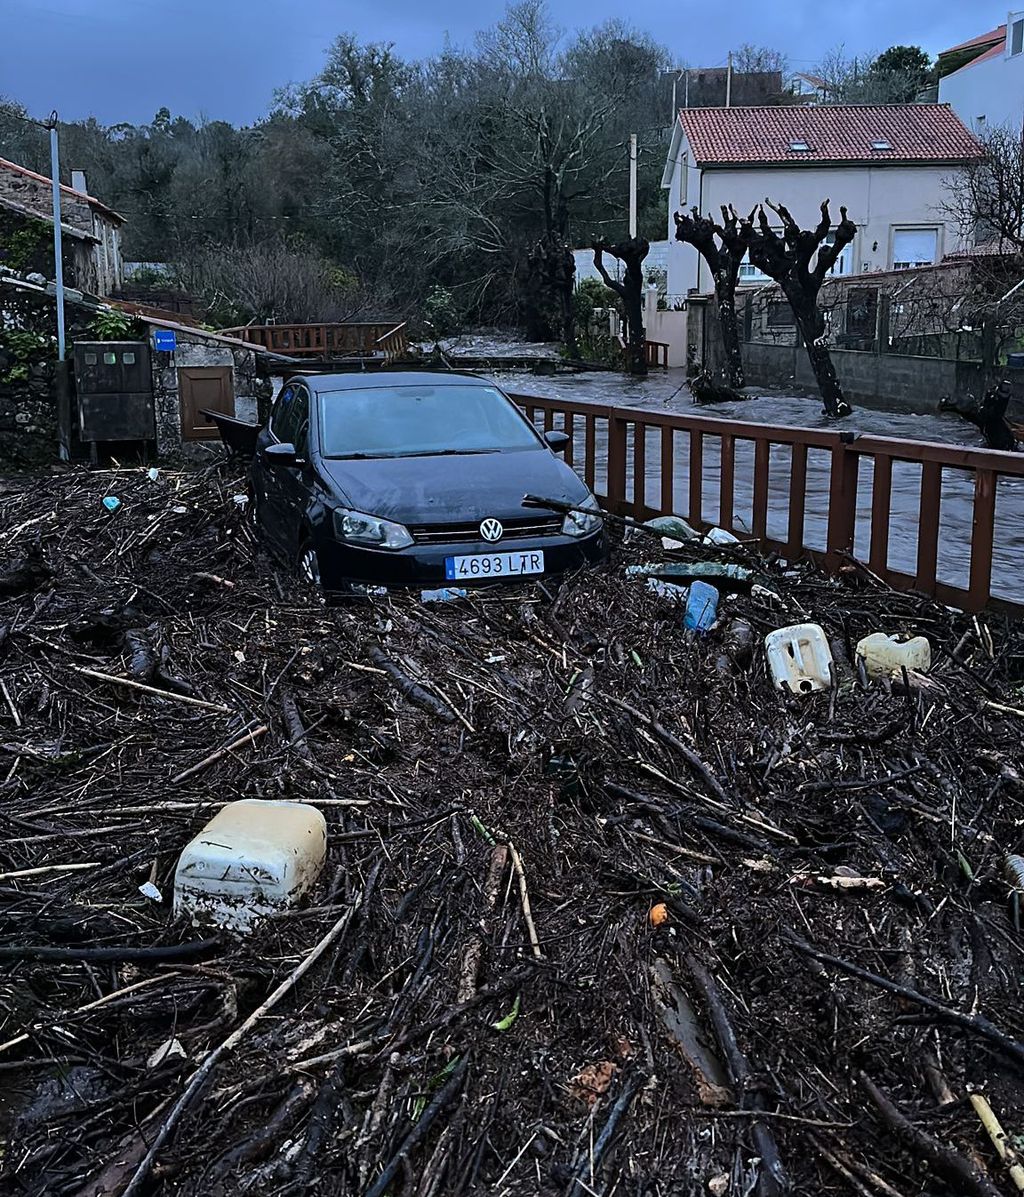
x,y
493,565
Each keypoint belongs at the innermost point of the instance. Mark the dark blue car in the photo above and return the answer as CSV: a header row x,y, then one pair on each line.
x,y
416,479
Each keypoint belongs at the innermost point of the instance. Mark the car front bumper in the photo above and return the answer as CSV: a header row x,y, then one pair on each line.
x,y
346,567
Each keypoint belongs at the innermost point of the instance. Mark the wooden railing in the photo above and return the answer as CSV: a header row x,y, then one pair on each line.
x,y
326,341
801,488
655,352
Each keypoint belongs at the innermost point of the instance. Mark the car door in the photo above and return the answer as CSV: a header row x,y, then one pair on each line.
x,y
274,484
295,483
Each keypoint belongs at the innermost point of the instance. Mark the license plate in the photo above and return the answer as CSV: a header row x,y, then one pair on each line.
x,y
493,565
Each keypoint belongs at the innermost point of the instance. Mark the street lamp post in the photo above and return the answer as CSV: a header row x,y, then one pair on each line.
x,y
58,251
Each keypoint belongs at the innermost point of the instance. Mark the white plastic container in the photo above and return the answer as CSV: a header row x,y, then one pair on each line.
x,y
884,655
799,658
252,858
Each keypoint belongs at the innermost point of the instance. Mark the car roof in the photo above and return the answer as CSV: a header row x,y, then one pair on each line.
x,y
322,383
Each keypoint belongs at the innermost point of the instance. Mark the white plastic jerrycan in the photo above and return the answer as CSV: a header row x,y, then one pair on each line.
x,y
252,858
885,655
799,658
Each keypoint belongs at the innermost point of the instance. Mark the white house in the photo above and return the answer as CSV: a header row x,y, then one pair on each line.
x,y
885,163
983,79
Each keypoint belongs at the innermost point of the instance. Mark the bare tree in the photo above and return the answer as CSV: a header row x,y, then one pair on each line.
x,y
748,59
723,247
631,254
987,198
787,258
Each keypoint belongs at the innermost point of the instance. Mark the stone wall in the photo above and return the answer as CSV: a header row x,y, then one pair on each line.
x,y
193,351
37,196
28,419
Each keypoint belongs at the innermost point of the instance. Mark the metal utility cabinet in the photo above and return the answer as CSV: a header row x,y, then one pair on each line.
x,y
114,385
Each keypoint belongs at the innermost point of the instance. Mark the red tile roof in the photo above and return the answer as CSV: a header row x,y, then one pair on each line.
x,y
983,39
833,133
91,200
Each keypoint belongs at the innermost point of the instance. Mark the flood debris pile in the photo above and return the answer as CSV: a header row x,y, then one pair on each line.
x,y
602,910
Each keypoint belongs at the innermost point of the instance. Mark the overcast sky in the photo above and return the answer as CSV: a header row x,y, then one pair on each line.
x,y
121,60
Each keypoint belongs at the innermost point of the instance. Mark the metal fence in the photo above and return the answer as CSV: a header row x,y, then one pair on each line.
x,y
873,320
944,520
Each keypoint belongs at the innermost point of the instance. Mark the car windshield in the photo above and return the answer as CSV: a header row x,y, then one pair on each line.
x,y
421,421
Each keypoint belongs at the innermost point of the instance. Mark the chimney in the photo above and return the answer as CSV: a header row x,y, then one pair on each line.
x,y
78,181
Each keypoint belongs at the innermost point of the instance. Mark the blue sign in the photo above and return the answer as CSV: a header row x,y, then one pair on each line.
x,y
164,339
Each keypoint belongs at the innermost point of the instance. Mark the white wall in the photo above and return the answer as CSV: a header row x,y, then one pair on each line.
x,y
992,90
878,198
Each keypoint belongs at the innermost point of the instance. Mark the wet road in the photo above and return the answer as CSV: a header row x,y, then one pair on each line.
x,y
665,391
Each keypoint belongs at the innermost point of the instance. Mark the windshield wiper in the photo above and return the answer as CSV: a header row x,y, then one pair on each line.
x,y
446,452
356,456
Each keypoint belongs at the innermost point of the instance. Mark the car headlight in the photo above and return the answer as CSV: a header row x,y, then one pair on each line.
x,y
356,527
585,521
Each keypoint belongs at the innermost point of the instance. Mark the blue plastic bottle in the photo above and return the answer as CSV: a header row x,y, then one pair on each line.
x,y
701,607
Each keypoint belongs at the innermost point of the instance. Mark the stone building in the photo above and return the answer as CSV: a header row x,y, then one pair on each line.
x,y
92,229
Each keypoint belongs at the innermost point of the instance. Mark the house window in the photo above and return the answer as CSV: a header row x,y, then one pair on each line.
x,y
749,273
844,263
1015,42
914,247
684,170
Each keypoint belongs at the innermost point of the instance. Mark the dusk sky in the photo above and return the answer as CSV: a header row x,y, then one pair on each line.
x,y
121,60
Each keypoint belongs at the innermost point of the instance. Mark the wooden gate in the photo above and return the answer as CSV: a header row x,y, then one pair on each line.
x,y
199,387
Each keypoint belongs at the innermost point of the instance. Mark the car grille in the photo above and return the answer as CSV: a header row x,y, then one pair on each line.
x,y
526,529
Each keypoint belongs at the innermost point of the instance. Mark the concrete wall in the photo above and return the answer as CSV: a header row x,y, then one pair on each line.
x,y
879,199
669,327
887,381
986,94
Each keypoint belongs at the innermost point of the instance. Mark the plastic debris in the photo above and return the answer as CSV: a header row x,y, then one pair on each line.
x,y
152,473
668,590
701,607
149,890
167,1049
885,655
111,502
241,500
799,658
691,570
252,858
672,526
720,537
446,594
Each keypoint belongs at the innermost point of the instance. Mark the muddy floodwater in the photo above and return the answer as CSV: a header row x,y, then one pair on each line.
x,y
667,392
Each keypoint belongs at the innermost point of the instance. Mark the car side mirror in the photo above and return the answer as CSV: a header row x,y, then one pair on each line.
x,y
557,441
281,456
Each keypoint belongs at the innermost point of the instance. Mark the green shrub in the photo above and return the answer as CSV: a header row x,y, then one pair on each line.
x,y
441,312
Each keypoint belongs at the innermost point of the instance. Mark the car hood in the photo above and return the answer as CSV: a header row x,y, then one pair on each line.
x,y
451,489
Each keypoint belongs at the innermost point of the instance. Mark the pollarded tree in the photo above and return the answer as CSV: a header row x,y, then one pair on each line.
x,y
630,290
722,246
787,259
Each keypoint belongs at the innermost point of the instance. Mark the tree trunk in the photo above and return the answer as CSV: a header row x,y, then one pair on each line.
x,y
730,334
636,334
821,360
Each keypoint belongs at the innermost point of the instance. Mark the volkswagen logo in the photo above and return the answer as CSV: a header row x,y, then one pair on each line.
x,y
491,529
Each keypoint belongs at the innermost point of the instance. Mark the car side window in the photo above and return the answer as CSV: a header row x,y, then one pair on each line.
x,y
282,414
300,422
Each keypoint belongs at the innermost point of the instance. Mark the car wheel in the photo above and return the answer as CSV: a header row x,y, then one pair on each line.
x,y
308,566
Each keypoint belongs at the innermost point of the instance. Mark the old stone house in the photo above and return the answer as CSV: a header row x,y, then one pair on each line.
x,y
93,257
